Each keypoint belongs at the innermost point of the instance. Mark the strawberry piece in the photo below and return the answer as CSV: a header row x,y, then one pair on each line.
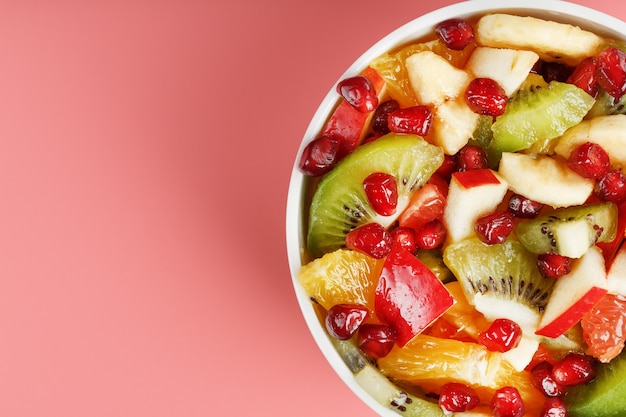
x,y
486,97
456,34
611,71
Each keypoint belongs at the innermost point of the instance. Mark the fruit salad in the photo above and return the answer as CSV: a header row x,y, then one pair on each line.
x,y
465,221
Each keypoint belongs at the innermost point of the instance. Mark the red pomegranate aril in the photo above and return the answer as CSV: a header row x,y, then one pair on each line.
x,y
405,237
456,397
574,369
376,340
589,160
449,166
553,265
486,97
501,336
472,157
431,235
555,71
359,92
456,34
495,227
371,238
584,76
381,190
542,379
343,320
523,207
380,120
507,402
611,71
415,120
554,407
612,187
319,156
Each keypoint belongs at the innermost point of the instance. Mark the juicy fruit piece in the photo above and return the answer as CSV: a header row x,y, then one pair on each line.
x,y
340,204
574,369
554,407
381,191
523,207
569,231
376,340
433,79
611,71
405,237
319,156
604,327
431,236
507,402
501,336
486,97
456,34
380,121
553,265
472,157
612,187
343,320
495,227
341,277
426,204
456,397
453,125
372,239
359,92
539,114
415,120
409,297
584,76
589,160
542,379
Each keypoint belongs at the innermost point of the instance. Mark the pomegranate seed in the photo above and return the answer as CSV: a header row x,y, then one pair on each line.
x,y
376,340
555,71
448,167
359,92
495,227
574,369
405,237
523,207
553,265
431,235
457,397
542,379
612,187
381,190
501,336
380,121
554,407
507,402
611,71
319,156
589,160
456,34
371,239
416,120
584,76
486,97
343,320
472,157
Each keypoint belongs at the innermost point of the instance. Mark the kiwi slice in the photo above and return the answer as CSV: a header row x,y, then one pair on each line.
x,y
605,396
569,231
607,105
433,259
539,113
339,203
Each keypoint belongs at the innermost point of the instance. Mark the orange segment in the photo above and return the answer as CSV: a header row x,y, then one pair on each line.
x,y
463,315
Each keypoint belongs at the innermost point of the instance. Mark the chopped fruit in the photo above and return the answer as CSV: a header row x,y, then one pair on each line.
x,y
555,71
507,402
381,190
463,315
431,235
380,121
611,71
319,156
574,369
524,208
554,407
542,379
589,160
604,327
426,204
612,187
584,76
376,340
450,164
359,92
405,237
416,120
501,336
486,97
616,272
343,320
371,238
553,265
495,227
409,297
456,397
472,157
456,34
453,125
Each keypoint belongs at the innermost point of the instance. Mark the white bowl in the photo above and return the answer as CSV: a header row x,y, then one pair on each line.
x,y
421,27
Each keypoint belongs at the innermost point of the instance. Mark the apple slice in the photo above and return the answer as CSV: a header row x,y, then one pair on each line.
x,y
409,296
471,195
616,274
454,124
574,294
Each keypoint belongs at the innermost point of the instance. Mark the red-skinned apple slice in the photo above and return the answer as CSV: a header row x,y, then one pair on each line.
x,y
409,297
574,294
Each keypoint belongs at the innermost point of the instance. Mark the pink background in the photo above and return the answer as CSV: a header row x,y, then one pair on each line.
x,y
145,150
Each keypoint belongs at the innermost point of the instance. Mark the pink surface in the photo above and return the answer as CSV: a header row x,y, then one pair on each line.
x,y
145,149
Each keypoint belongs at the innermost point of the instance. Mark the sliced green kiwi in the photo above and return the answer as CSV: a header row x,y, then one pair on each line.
x,y
433,259
339,203
539,113
569,231
607,105
605,396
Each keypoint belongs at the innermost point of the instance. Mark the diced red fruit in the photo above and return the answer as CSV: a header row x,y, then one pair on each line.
x,y
495,227
456,397
376,340
542,379
448,167
486,97
574,369
612,187
380,121
456,34
501,336
523,207
426,204
440,183
371,238
431,235
343,320
584,76
359,92
472,157
405,237
604,327
507,402
554,407
381,190
319,156
415,120
589,160
611,71
553,265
